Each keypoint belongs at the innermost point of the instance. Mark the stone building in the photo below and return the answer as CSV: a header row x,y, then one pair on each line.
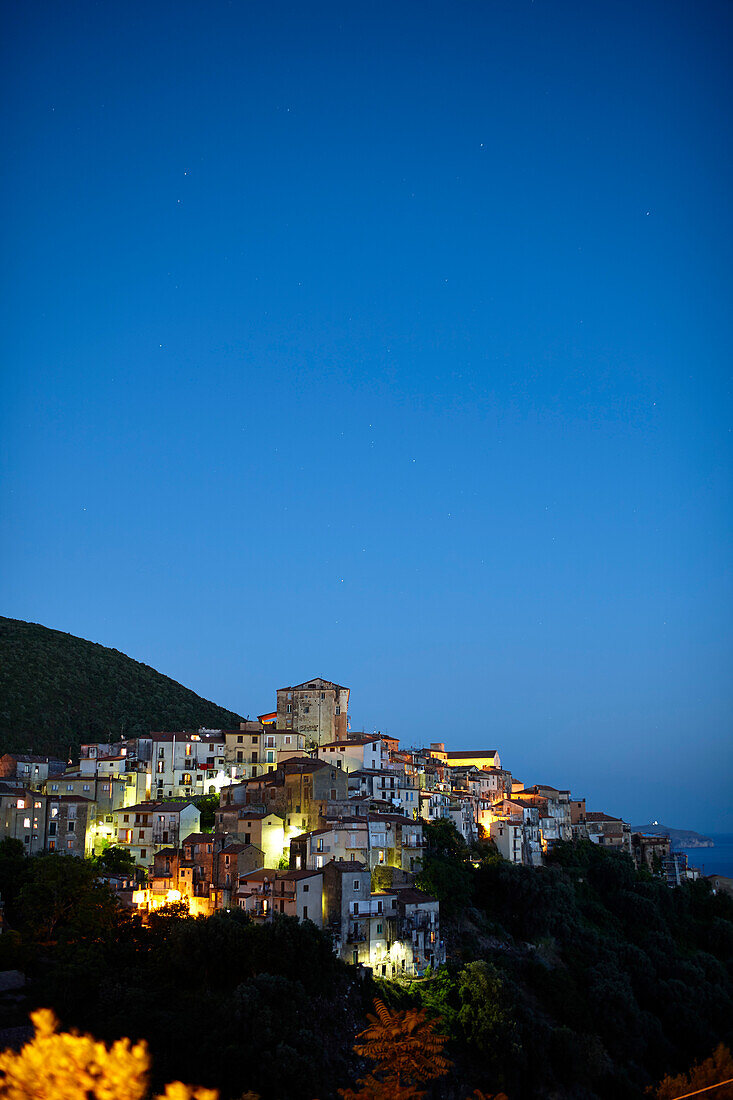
x,y
318,708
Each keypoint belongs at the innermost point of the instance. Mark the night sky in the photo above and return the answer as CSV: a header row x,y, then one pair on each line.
x,y
390,343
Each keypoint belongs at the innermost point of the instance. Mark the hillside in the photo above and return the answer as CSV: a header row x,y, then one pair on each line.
x,y
680,838
57,690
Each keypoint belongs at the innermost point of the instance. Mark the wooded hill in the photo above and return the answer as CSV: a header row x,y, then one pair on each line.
x,y
57,691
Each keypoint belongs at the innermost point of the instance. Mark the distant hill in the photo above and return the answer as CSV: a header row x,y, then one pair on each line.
x,y
680,838
57,691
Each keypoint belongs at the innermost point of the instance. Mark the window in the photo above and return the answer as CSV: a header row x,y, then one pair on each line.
x,y
357,884
52,828
323,695
21,804
26,823
338,709
70,787
70,842
379,929
240,757
37,805
289,708
240,739
355,957
143,853
85,787
306,710
305,888
52,845
305,912
54,786
125,817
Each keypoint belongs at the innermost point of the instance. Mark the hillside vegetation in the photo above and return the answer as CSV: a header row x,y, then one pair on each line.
x,y
57,691
580,980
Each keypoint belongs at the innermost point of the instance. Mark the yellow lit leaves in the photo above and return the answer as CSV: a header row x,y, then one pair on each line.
x,y
66,1066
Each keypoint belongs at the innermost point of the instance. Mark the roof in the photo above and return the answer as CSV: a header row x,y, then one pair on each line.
x,y
11,788
259,873
313,684
364,739
346,865
411,896
473,754
68,798
399,818
243,812
198,838
594,815
29,758
302,764
197,738
292,876
176,805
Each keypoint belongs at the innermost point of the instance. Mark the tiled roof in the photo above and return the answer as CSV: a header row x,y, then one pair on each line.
x,y
411,896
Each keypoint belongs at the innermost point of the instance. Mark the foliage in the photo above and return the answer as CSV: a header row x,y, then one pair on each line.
x,y
270,997
446,873
57,691
60,1066
580,979
484,1016
207,806
62,895
13,873
116,861
406,1051
718,1067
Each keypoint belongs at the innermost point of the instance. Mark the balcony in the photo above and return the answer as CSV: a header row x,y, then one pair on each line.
x,y
357,936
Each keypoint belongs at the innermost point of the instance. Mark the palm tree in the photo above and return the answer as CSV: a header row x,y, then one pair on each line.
x,y
406,1050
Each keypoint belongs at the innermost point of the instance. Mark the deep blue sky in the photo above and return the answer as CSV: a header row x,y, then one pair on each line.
x,y
387,342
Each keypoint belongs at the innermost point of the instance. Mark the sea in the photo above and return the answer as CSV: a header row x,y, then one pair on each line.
x,y
713,861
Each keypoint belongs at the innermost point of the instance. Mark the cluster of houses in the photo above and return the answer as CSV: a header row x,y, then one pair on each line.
x,y
311,820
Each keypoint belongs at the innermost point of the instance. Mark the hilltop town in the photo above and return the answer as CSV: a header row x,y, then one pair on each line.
x,y
310,819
